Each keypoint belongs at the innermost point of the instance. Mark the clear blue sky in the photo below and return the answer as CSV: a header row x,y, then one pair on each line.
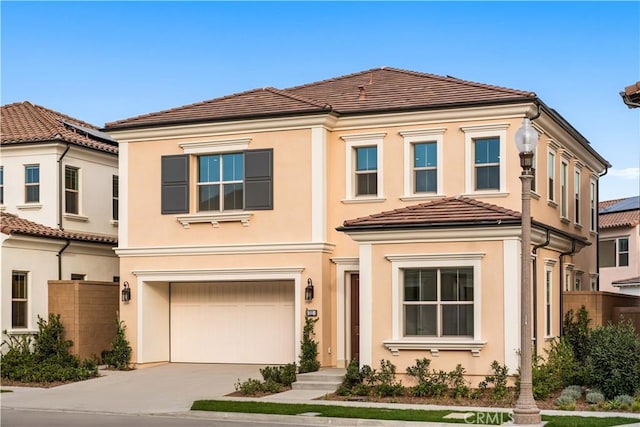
x,y
104,61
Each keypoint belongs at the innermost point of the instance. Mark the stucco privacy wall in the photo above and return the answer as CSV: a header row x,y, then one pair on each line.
x,y
88,311
601,306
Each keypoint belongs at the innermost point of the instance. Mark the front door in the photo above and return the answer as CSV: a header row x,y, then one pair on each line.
x,y
355,317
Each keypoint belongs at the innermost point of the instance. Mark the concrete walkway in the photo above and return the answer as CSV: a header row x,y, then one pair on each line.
x,y
170,389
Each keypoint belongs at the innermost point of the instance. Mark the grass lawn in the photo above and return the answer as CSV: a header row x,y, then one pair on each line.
x,y
493,418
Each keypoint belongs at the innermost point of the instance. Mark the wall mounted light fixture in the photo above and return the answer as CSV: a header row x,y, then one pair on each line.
x,y
126,292
308,291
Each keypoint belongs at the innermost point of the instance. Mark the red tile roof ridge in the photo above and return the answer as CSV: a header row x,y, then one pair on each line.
x,y
284,92
46,114
418,74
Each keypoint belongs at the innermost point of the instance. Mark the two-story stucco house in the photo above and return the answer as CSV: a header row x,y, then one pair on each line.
x,y
59,208
393,194
620,245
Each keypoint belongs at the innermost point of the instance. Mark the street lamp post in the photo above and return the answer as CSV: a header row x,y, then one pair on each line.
x,y
526,411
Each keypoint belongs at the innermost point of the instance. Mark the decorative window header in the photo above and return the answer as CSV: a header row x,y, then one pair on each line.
x,y
219,146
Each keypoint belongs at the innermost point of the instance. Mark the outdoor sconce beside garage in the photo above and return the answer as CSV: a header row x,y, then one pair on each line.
x,y
126,292
308,291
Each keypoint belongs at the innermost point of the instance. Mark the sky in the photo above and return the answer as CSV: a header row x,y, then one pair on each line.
x,y
105,61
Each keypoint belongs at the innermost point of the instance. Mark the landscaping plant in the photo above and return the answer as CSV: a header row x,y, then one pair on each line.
x,y
119,356
309,348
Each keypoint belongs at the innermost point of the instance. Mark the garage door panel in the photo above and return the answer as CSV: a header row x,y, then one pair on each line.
x,y
238,322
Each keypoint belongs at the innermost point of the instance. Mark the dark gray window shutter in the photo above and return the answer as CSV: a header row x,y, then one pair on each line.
x,y
175,184
258,179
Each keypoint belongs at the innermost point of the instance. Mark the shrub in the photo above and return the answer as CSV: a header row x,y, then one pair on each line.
x,y
594,396
309,348
249,387
385,380
498,379
352,376
577,333
119,356
271,386
574,391
559,370
624,401
459,387
613,362
285,374
430,383
566,402
50,344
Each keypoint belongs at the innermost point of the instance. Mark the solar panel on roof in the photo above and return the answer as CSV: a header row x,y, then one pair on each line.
x,y
95,133
628,204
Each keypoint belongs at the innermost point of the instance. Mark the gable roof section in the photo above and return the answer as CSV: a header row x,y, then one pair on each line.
x,y
375,90
448,211
13,224
619,213
24,122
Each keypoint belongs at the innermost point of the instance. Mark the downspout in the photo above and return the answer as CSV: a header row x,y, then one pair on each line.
x,y
561,258
60,186
60,259
606,170
535,291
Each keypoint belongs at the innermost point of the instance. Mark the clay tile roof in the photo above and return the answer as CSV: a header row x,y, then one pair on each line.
x,y
446,211
24,122
634,281
13,224
378,89
619,212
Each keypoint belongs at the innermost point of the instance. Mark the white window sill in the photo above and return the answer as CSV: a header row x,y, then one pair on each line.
x,y
552,203
486,194
565,220
215,218
364,200
535,195
3,208
421,197
434,345
21,331
75,217
577,226
114,222
29,207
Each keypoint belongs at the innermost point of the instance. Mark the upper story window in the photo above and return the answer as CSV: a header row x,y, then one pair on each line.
x,y
19,299
533,170
78,276
576,197
564,192
485,154
593,211
366,173
614,252
32,183
487,164
1,185
438,302
423,162
115,193
221,182
551,175
364,160
71,190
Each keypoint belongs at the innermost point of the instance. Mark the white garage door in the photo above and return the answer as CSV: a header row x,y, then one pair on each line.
x,y
232,322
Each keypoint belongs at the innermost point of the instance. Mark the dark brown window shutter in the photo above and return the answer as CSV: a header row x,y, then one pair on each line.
x,y
258,176
175,184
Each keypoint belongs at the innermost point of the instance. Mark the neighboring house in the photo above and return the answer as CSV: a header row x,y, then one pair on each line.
x,y
393,194
59,203
620,245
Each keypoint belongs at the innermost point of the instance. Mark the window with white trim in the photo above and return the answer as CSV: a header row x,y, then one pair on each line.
x,y
364,160
1,185
423,162
32,183
564,194
548,296
533,170
614,252
71,190
551,175
115,199
578,280
576,197
593,211
425,167
220,182
438,302
78,276
19,299
485,151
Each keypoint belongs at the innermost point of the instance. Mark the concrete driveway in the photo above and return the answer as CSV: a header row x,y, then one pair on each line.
x,y
170,387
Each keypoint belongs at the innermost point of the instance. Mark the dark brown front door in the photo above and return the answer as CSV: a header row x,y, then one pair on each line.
x,y
355,317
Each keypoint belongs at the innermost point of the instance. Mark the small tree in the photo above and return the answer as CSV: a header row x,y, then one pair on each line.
x,y
119,356
309,354
577,333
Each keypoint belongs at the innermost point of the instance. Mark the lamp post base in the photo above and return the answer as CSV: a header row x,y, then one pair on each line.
x,y
527,416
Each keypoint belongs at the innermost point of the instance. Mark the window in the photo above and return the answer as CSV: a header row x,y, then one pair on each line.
x,y
19,299
576,198
1,185
32,183
220,185
115,192
366,171
425,167
551,174
533,170
578,282
548,295
438,302
76,276
71,190
564,202
593,214
614,252
487,164
116,279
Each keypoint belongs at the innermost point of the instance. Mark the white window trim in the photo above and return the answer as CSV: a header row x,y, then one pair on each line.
x,y
70,215
577,195
32,184
215,218
216,147
549,265
27,300
353,142
471,133
434,345
593,208
418,136
564,189
551,173
220,182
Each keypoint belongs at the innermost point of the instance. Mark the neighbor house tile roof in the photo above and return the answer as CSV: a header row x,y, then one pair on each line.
x,y
378,89
619,212
634,281
445,211
13,224
24,122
